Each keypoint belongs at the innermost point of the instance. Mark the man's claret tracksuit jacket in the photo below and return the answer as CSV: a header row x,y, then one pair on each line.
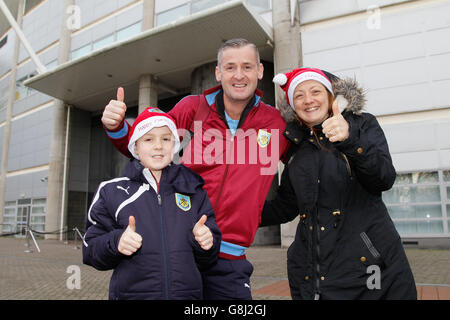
x,y
238,170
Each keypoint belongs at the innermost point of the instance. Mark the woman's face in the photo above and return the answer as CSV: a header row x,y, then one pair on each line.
x,y
311,102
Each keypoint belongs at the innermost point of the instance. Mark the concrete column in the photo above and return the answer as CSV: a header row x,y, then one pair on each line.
x,y
203,78
148,15
57,182
9,109
287,41
148,94
287,56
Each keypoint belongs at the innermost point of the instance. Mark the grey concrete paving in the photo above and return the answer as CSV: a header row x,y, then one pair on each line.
x,y
46,275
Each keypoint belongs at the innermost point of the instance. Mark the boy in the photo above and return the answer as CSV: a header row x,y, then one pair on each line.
x,y
155,225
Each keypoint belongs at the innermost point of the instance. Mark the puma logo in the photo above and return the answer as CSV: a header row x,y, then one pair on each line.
x,y
126,190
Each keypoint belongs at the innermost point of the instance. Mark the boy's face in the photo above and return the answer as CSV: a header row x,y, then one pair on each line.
x,y
155,148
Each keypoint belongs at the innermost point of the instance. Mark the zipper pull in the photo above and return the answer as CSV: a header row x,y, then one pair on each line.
x,y
159,199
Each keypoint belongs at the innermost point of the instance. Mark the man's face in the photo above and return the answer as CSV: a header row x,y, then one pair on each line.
x,y
239,73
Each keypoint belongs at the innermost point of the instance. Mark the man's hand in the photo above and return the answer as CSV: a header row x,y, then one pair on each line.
x,y
130,241
202,234
336,128
114,112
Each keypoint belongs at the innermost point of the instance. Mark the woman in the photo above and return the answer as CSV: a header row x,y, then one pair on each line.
x,y
346,246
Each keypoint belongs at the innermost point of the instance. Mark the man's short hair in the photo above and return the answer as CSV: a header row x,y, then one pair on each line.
x,y
236,43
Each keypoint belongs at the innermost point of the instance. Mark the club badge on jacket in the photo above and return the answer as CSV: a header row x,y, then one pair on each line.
x,y
183,202
263,138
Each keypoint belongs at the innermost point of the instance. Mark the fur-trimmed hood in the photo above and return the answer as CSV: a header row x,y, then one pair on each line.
x,y
348,93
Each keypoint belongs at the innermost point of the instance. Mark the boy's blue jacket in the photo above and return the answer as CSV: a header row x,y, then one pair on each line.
x,y
167,265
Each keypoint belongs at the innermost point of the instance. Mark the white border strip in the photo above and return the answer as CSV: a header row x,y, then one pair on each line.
x,y
27,171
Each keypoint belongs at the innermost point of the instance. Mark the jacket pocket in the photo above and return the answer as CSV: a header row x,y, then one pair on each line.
x,y
374,257
139,274
368,243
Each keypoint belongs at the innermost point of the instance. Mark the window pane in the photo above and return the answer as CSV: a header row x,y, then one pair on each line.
x,y
38,227
10,203
404,178
39,219
446,175
425,177
24,201
204,4
9,227
418,211
128,32
411,227
81,51
35,210
9,220
259,5
39,201
103,42
417,177
21,91
10,211
172,15
406,194
52,65
448,194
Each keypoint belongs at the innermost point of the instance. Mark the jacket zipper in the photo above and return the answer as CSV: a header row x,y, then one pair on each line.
x,y
219,194
164,248
163,240
317,293
349,169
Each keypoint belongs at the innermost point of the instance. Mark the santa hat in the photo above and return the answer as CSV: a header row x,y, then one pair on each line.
x,y
289,81
148,119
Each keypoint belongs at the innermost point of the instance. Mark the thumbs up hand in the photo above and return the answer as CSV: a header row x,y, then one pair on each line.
x,y
202,234
114,112
336,128
130,241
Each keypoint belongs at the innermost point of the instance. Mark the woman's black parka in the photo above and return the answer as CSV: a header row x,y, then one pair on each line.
x,y
346,245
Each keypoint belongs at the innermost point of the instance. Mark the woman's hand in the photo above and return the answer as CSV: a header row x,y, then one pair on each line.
x,y
336,128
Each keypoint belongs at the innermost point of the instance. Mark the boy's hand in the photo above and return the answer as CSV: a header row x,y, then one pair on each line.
x,y
130,241
202,234
114,112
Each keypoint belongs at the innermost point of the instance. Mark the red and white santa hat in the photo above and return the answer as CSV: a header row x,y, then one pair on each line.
x,y
289,81
148,119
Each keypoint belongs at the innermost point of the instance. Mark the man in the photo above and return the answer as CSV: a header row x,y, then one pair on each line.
x,y
235,148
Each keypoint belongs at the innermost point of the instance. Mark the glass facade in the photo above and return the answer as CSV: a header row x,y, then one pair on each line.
x,y
418,203
21,90
128,32
118,35
18,214
260,5
200,5
172,14
103,42
195,6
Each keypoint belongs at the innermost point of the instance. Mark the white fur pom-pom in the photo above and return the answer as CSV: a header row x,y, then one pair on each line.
x,y
280,79
342,103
